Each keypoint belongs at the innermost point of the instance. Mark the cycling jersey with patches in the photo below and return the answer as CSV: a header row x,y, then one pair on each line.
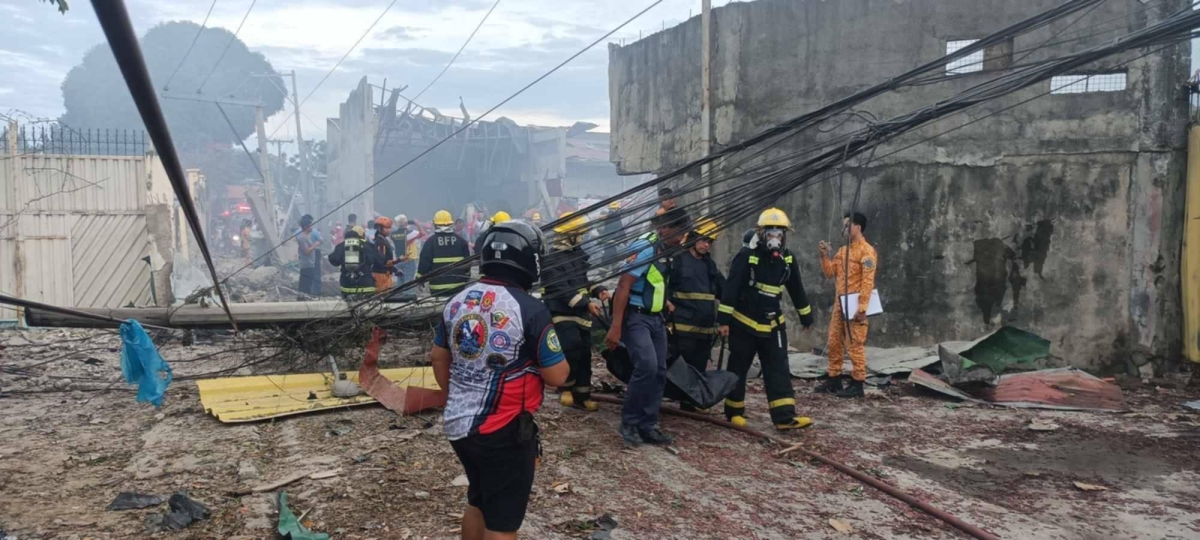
x,y
499,338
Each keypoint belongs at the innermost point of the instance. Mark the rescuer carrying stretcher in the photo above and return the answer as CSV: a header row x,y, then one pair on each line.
x,y
751,315
696,287
569,298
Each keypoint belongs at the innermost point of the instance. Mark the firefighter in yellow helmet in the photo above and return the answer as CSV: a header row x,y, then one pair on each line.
x,y
443,249
751,315
356,259
497,218
572,305
696,286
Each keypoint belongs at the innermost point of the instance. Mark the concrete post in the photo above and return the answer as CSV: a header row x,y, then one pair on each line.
x,y
310,203
705,91
17,177
264,165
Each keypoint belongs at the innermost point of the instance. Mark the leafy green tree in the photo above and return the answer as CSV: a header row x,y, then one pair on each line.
x,y
95,95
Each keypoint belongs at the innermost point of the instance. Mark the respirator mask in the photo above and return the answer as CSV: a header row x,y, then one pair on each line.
x,y
772,238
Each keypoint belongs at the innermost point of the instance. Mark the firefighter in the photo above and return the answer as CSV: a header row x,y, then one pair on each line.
x,y
443,249
384,254
498,217
861,280
696,286
566,293
751,315
355,258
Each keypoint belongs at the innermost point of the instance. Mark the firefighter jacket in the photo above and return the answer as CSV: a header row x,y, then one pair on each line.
x,y
356,258
566,292
383,253
441,250
754,291
696,288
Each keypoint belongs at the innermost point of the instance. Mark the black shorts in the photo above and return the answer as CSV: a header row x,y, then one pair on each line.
x,y
500,468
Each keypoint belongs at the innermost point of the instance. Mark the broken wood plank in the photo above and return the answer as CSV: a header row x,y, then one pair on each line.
x,y
249,315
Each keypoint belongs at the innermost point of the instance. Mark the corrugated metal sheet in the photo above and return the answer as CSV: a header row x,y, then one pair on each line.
x,y
46,254
75,184
106,262
249,399
82,228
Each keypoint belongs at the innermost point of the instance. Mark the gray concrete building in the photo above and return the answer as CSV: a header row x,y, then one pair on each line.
x,y
1062,216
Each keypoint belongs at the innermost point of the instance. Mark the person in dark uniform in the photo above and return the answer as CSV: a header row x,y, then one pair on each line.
x,y
752,306
443,249
696,287
356,259
566,294
494,351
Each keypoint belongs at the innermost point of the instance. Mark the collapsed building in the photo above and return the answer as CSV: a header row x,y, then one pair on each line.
x,y
1063,215
494,163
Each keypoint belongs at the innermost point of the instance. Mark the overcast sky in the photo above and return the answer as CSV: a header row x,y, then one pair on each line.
x,y
521,40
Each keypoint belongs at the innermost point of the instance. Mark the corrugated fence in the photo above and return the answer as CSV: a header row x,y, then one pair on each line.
x,y
73,229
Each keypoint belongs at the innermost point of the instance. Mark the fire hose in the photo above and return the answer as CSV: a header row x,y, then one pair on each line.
x,y
840,467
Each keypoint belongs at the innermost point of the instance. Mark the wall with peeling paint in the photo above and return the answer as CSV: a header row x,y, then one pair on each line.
x,y
1062,216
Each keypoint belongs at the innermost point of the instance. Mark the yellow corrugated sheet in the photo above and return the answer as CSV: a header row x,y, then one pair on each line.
x,y
250,399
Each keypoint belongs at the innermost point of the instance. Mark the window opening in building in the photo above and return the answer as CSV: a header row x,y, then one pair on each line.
x,y
968,64
1080,84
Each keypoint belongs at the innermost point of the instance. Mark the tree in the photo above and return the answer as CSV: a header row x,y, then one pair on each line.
x,y
95,96
62,5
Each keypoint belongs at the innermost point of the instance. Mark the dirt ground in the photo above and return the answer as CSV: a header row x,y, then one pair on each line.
x,y
66,450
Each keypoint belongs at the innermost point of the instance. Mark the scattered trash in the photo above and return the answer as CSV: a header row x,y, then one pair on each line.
x,y
461,481
1038,425
1193,405
142,365
337,431
1090,487
184,511
841,525
290,526
562,488
421,495
91,362
129,500
325,474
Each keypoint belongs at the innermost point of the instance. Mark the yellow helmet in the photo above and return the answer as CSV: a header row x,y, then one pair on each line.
x,y
443,217
615,205
774,217
537,216
572,224
706,228
501,217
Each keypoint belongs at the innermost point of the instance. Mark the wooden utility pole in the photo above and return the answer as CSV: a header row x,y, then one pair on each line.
x,y
264,164
310,202
17,179
705,92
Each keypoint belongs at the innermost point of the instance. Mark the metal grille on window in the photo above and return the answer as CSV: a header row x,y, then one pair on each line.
x,y
1079,84
967,64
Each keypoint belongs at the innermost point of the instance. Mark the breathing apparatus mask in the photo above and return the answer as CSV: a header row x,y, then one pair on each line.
x,y
773,238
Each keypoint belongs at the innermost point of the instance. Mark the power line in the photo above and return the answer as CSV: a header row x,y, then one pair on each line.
x,y
460,50
227,45
335,66
167,86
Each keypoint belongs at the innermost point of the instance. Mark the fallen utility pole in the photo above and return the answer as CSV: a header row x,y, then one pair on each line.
x,y
249,315
841,467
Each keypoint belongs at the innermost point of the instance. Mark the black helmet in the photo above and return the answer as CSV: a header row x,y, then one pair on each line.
x,y
513,244
748,237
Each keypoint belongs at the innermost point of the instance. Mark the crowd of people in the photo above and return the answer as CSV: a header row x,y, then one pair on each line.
x,y
497,346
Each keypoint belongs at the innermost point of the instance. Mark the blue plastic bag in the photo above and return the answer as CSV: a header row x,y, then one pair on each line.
x,y
142,365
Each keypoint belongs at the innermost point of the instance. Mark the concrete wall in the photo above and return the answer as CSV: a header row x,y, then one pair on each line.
x,y
1061,216
350,159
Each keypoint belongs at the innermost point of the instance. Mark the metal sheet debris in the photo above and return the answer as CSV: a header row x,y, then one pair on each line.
x,y
398,398
1065,389
250,399
880,361
922,378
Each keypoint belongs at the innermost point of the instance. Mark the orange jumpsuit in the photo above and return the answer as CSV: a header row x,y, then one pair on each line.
x,y
863,262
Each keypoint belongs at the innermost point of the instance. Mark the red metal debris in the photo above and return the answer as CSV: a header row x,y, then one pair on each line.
x,y
1067,388
406,401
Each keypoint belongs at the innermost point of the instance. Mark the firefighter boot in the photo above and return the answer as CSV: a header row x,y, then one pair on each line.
x,y
582,401
739,421
854,390
798,422
831,385
566,399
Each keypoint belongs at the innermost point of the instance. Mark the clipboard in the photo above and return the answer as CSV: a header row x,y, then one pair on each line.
x,y
849,303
